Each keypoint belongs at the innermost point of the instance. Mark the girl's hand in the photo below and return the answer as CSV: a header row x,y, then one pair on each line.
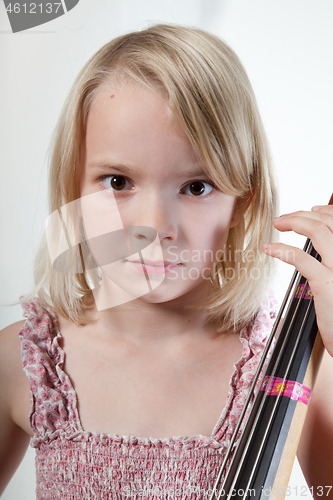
x,y
318,226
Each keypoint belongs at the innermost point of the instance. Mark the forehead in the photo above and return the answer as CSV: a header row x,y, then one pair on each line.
x,y
130,123
122,105
129,96
121,85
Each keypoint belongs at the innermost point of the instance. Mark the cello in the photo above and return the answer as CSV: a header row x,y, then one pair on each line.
x,y
259,465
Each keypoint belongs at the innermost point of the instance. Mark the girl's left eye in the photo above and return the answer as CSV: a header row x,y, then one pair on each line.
x,y
198,188
115,182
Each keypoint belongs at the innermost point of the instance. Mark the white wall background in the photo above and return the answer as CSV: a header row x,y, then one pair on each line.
x,y
287,48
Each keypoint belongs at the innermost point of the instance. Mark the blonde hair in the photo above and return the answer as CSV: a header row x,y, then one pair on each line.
x,y
208,90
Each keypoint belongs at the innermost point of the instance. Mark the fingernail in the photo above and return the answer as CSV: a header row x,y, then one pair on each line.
x,y
266,246
280,216
316,207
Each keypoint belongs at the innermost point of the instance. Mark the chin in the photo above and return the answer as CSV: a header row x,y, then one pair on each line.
x,y
163,294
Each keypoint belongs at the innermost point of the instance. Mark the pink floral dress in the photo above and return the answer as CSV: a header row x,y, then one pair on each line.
x,y
72,464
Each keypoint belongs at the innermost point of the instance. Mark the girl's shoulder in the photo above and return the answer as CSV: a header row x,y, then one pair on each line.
x,y
10,357
40,325
37,331
29,355
10,348
14,387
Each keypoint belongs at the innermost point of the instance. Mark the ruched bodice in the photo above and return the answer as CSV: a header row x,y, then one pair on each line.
x,y
75,464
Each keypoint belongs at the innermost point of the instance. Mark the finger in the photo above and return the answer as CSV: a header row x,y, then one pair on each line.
x,y
307,265
323,214
316,229
325,209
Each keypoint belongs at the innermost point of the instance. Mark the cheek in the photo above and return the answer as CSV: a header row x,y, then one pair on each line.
x,y
214,235
100,213
207,247
219,225
103,228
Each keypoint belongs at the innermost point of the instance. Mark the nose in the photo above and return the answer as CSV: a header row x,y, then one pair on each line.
x,y
156,212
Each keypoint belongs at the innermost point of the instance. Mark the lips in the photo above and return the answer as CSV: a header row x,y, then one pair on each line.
x,y
153,267
157,263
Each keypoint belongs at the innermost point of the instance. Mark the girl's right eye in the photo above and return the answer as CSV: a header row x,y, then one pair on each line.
x,y
115,182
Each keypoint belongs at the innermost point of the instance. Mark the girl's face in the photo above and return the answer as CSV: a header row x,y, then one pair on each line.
x,y
166,220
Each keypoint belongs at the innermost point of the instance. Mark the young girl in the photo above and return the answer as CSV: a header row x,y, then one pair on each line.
x,y
151,314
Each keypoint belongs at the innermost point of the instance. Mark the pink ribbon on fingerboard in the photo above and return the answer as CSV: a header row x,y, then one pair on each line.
x,y
290,389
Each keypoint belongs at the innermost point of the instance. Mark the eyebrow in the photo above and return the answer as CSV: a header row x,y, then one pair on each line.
x,y
119,167
126,169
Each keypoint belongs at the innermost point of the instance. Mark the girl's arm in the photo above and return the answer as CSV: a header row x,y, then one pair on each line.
x,y
14,391
316,445
315,450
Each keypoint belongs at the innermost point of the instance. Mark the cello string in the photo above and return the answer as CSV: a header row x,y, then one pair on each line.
x,y
240,421
309,250
251,391
308,243
297,276
260,366
268,425
279,395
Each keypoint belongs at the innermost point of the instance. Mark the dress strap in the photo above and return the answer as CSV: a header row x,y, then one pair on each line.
x,y
52,397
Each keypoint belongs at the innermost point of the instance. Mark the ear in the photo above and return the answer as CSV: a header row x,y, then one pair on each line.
x,y
241,205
